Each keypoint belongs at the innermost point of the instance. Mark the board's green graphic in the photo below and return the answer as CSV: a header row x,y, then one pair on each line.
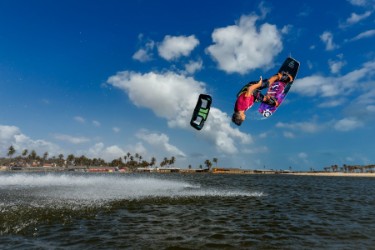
x,y
201,111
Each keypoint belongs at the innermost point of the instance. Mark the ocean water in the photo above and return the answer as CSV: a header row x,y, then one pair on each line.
x,y
185,211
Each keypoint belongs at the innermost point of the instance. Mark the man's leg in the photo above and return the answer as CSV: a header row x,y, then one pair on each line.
x,y
258,96
270,100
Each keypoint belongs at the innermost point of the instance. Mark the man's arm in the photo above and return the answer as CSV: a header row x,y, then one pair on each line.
x,y
253,87
274,78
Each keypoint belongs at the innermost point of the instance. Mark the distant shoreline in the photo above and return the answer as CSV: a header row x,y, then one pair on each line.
x,y
182,171
333,174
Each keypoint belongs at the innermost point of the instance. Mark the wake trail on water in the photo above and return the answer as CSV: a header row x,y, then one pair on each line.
x,y
99,189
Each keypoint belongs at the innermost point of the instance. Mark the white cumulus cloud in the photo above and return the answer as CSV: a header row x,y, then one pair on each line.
x,y
12,136
173,97
144,54
316,85
160,141
327,39
173,47
358,2
355,18
347,124
243,47
168,95
365,34
335,66
193,66
109,153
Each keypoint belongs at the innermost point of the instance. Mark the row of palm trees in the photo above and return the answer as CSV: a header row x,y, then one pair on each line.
x,y
207,163
350,168
130,161
31,158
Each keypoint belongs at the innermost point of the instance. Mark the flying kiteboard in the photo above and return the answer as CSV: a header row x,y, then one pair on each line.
x,y
201,111
279,89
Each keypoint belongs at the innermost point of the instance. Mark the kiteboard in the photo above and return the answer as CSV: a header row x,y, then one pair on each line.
x,y
201,111
280,89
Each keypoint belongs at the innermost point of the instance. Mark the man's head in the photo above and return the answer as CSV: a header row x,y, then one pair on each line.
x,y
238,117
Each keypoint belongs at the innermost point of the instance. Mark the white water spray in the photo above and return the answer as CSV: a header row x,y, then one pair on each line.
x,y
104,188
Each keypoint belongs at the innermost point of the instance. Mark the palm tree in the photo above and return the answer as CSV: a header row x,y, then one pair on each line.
x,y
82,161
45,156
162,164
345,167
153,161
215,161
61,160
208,164
11,151
24,152
172,160
70,159
334,168
117,162
33,155
101,162
165,161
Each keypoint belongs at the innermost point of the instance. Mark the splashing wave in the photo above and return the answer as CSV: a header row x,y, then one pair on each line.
x,y
65,187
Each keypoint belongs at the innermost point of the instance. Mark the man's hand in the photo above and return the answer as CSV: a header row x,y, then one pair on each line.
x,y
253,87
260,80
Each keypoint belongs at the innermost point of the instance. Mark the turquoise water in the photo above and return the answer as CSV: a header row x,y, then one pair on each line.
x,y
193,211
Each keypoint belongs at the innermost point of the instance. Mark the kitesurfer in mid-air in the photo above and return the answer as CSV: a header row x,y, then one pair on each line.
x,y
246,99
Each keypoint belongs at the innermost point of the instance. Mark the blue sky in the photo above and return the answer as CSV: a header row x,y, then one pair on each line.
x,y
103,78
